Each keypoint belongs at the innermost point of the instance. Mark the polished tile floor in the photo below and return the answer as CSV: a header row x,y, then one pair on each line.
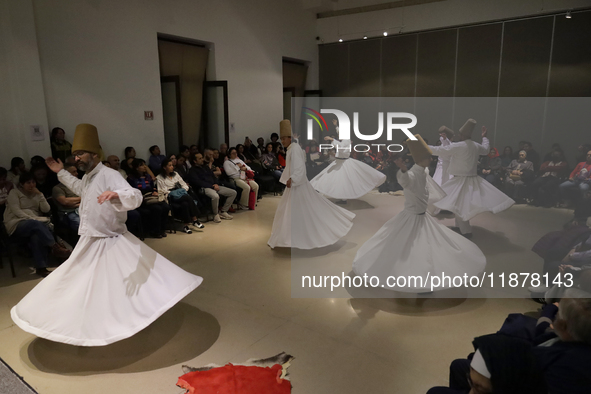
x,y
244,310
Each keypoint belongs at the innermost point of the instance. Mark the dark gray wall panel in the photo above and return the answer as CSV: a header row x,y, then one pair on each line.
x,y
479,52
436,63
526,57
364,77
334,69
399,59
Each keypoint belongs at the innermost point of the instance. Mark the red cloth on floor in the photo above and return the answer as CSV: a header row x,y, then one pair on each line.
x,y
236,379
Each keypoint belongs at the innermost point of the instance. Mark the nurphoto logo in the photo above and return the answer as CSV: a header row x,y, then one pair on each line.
x,y
344,128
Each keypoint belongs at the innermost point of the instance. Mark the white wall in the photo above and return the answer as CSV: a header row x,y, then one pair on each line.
x,y
99,62
432,16
22,103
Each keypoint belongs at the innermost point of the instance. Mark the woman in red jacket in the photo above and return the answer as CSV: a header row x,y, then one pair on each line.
x,y
579,181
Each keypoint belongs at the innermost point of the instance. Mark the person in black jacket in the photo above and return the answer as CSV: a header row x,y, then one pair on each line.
x,y
500,364
201,176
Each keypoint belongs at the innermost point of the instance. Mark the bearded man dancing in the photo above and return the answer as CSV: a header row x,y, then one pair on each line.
x,y
113,285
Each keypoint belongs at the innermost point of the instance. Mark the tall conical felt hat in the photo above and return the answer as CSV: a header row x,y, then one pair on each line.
x,y
419,149
448,132
467,129
86,139
284,128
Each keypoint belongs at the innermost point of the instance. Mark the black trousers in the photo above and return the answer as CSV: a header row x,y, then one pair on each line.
x,y
458,382
184,208
154,217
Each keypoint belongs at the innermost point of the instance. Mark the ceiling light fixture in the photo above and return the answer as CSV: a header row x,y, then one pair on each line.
x,y
340,40
365,37
385,34
568,15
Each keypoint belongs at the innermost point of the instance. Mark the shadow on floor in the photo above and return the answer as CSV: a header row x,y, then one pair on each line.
x,y
354,205
493,243
181,334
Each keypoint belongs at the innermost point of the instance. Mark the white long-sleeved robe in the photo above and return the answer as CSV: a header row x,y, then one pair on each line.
x,y
442,170
113,285
468,194
346,178
415,244
304,219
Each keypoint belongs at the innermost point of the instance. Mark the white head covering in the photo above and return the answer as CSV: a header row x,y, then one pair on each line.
x,y
479,365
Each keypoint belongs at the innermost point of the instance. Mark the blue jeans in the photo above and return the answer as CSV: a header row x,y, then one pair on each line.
x,y
277,174
574,190
72,220
38,238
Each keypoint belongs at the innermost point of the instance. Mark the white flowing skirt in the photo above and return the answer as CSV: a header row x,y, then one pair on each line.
x,y
467,196
108,290
417,245
347,179
306,220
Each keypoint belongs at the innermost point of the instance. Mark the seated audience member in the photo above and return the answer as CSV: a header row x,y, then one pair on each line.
x,y
500,364
250,151
67,202
201,176
545,187
5,188
115,164
507,157
155,159
558,247
555,148
275,139
211,157
182,167
193,150
241,156
390,169
281,156
490,167
578,182
25,221
106,164
71,161
518,174
129,155
60,148
223,155
582,152
261,149
565,360
209,161
154,211
45,182
169,181
186,153
173,160
270,163
37,161
236,169
17,167
532,155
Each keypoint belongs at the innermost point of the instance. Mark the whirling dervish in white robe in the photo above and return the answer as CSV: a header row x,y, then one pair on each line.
x,y
467,193
346,178
113,285
304,219
413,243
441,174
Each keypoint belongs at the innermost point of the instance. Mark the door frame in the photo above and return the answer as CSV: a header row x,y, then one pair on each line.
x,y
177,81
224,86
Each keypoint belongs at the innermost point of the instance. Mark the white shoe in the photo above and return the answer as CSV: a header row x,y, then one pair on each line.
x,y
225,215
217,219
